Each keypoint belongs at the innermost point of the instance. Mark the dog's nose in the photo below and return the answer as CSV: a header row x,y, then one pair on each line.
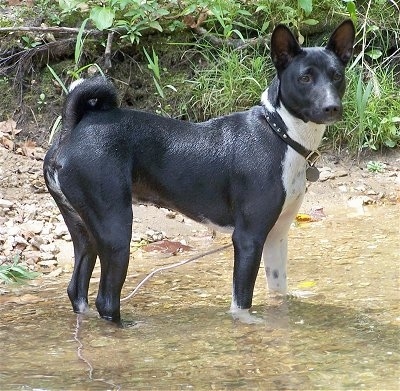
x,y
332,110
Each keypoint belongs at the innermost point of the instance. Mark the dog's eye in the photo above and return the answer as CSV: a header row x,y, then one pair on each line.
x,y
337,76
305,78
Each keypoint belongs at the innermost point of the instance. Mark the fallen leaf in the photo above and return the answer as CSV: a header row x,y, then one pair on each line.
x,y
10,127
7,143
167,247
303,218
307,284
28,148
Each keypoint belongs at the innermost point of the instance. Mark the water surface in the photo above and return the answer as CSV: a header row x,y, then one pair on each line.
x,y
342,335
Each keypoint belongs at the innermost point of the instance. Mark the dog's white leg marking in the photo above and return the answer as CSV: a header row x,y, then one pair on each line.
x,y
275,250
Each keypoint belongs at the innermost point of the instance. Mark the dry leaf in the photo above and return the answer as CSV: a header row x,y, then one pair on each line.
x,y
28,148
167,247
303,217
9,127
7,143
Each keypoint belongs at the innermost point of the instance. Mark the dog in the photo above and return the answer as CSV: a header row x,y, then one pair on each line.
x,y
245,171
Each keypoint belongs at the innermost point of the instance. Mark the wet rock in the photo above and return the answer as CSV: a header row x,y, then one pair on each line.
x,y
325,174
328,173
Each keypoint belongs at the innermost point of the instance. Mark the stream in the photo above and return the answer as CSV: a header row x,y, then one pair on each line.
x,y
339,329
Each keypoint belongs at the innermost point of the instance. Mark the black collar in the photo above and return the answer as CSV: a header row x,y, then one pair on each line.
x,y
279,127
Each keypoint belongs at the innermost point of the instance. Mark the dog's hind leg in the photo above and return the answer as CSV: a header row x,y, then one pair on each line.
x,y
85,258
108,215
84,250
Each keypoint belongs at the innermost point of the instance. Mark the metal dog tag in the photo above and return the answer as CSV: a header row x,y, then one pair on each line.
x,y
312,174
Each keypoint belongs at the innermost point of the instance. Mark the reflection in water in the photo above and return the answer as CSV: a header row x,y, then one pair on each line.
x,y
344,336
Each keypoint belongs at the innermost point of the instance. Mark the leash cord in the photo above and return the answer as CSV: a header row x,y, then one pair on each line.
x,y
167,267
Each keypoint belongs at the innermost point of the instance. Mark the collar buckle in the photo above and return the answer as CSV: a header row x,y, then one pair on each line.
x,y
312,157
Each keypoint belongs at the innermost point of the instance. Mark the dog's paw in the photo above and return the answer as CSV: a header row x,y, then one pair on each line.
x,y
244,316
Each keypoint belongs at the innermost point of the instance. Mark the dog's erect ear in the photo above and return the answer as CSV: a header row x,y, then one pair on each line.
x,y
342,40
284,47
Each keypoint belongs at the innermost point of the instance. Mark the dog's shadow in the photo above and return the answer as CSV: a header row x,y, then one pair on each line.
x,y
306,317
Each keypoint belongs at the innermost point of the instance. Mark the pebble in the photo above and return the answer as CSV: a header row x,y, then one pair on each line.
x,y
5,203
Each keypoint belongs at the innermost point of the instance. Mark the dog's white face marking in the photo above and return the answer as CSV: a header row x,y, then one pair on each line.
x,y
294,181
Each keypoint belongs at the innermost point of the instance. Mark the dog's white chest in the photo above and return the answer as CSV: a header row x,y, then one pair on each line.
x,y
293,178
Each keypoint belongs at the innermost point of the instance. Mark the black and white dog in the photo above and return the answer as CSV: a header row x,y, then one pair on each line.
x,y
245,171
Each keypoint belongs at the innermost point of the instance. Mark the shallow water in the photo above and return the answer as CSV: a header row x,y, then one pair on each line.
x,y
343,333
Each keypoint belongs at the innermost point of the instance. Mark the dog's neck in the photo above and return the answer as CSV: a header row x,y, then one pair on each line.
x,y
308,134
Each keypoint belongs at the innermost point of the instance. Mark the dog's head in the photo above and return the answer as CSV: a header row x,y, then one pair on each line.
x,y
311,80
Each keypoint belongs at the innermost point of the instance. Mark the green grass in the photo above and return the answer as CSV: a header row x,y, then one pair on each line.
x,y
232,81
371,111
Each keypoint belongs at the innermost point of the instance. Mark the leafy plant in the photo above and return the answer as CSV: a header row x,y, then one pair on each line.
x,y
132,16
362,96
294,13
153,65
28,42
41,102
376,166
14,272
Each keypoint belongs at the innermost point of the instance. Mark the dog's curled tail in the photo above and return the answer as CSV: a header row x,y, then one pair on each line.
x,y
94,94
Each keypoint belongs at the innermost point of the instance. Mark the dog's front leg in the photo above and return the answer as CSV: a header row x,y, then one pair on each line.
x,y
275,251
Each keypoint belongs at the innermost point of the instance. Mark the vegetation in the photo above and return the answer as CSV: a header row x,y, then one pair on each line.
x,y
229,57
15,272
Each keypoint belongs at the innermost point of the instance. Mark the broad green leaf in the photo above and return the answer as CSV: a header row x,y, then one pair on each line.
x,y
311,22
390,143
305,5
68,5
374,53
102,17
155,25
